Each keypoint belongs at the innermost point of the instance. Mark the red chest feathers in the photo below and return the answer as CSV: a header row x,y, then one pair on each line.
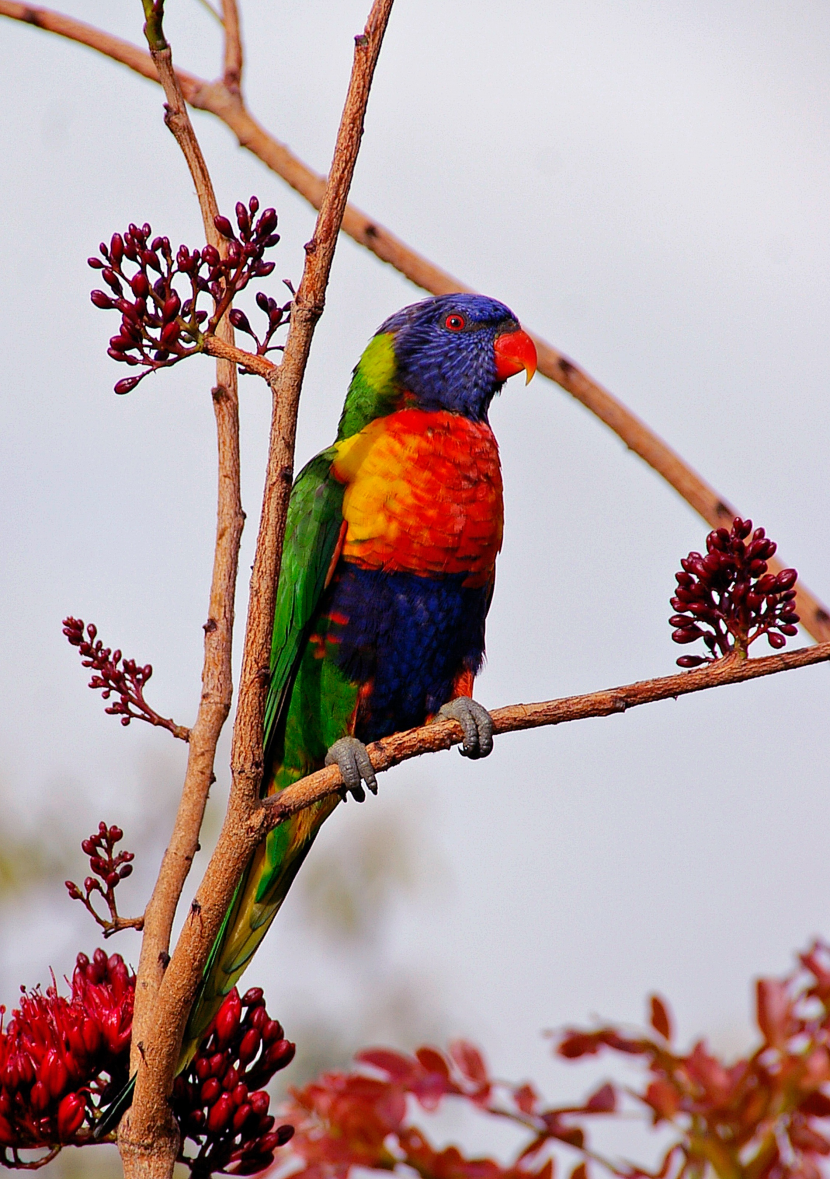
x,y
423,495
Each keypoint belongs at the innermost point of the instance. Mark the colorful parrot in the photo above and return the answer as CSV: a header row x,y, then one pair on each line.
x,y
387,576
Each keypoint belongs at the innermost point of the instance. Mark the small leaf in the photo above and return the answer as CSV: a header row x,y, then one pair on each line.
x,y
660,1018
773,1009
469,1060
603,1101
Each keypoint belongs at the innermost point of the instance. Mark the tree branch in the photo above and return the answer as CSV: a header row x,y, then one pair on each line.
x,y
232,73
259,365
158,1149
391,751
221,100
159,1050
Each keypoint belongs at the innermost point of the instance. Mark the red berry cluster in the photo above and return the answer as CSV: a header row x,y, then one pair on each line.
x,y
220,1102
276,314
727,597
63,1060
60,1058
109,867
126,681
161,325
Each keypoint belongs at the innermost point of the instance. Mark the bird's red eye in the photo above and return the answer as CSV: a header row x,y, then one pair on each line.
x,y
455,323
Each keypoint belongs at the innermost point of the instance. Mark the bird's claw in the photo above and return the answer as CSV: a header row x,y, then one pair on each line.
x,y
352,759
476,722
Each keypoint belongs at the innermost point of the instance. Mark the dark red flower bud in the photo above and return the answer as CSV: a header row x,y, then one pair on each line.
x,y
258,1018
171,308
169,335
240,1094
202,1068
223,225
276,1138
102,300
263,269
53,1073
241,1116
220,1114
39,1097
687,635
272,1031
267,223
71,1113
280,1054
252,997
211,256
218,1063
140,285
775,640
125,386
211,1090
242,219
239,320
249,1045
260,1101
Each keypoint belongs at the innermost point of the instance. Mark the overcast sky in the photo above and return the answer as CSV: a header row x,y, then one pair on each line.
x,y
645,183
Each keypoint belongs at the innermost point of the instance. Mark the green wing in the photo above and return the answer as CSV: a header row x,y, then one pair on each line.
x,y
312,532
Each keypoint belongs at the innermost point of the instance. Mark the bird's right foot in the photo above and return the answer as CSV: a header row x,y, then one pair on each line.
x,y
352,759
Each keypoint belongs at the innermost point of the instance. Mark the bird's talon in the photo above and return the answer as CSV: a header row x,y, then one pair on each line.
x,y
476,723
351,758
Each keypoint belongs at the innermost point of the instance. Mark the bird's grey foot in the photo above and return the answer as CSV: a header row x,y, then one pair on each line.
x,y
351,758
476,722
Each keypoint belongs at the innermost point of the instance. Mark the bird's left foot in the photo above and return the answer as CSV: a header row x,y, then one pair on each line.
x,y
351,758
476,722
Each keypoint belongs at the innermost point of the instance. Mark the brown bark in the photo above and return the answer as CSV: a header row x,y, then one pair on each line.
x,y
391,751
158,1050
150,1154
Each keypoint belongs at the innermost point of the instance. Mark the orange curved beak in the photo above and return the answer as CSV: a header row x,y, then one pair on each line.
x,y
515,351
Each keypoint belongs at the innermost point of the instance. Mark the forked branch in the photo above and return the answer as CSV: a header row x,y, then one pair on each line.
x,y
157,1053
224,101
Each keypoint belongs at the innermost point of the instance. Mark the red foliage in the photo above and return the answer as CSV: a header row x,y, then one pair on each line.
x,y
757,1118
62,1060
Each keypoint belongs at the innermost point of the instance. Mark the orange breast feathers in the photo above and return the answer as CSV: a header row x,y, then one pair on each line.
x,y
423,495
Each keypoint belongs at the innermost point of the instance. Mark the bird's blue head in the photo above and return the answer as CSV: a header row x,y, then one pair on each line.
x,y
455,352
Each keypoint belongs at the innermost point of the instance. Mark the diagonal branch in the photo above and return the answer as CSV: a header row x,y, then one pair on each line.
x,y
159,1051
391,751
223,101
217,676
232,72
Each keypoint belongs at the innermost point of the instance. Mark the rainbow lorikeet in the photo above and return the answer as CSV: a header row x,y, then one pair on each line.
x,y
387,576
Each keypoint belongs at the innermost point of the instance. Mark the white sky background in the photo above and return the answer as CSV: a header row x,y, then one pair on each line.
x,y
645,183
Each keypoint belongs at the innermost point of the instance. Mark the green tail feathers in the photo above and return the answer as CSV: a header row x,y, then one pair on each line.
x,y
257,901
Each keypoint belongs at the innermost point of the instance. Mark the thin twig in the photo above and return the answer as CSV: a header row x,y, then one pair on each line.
x,y
217,683
150,1113
259,365
391,751
232,74
218,99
